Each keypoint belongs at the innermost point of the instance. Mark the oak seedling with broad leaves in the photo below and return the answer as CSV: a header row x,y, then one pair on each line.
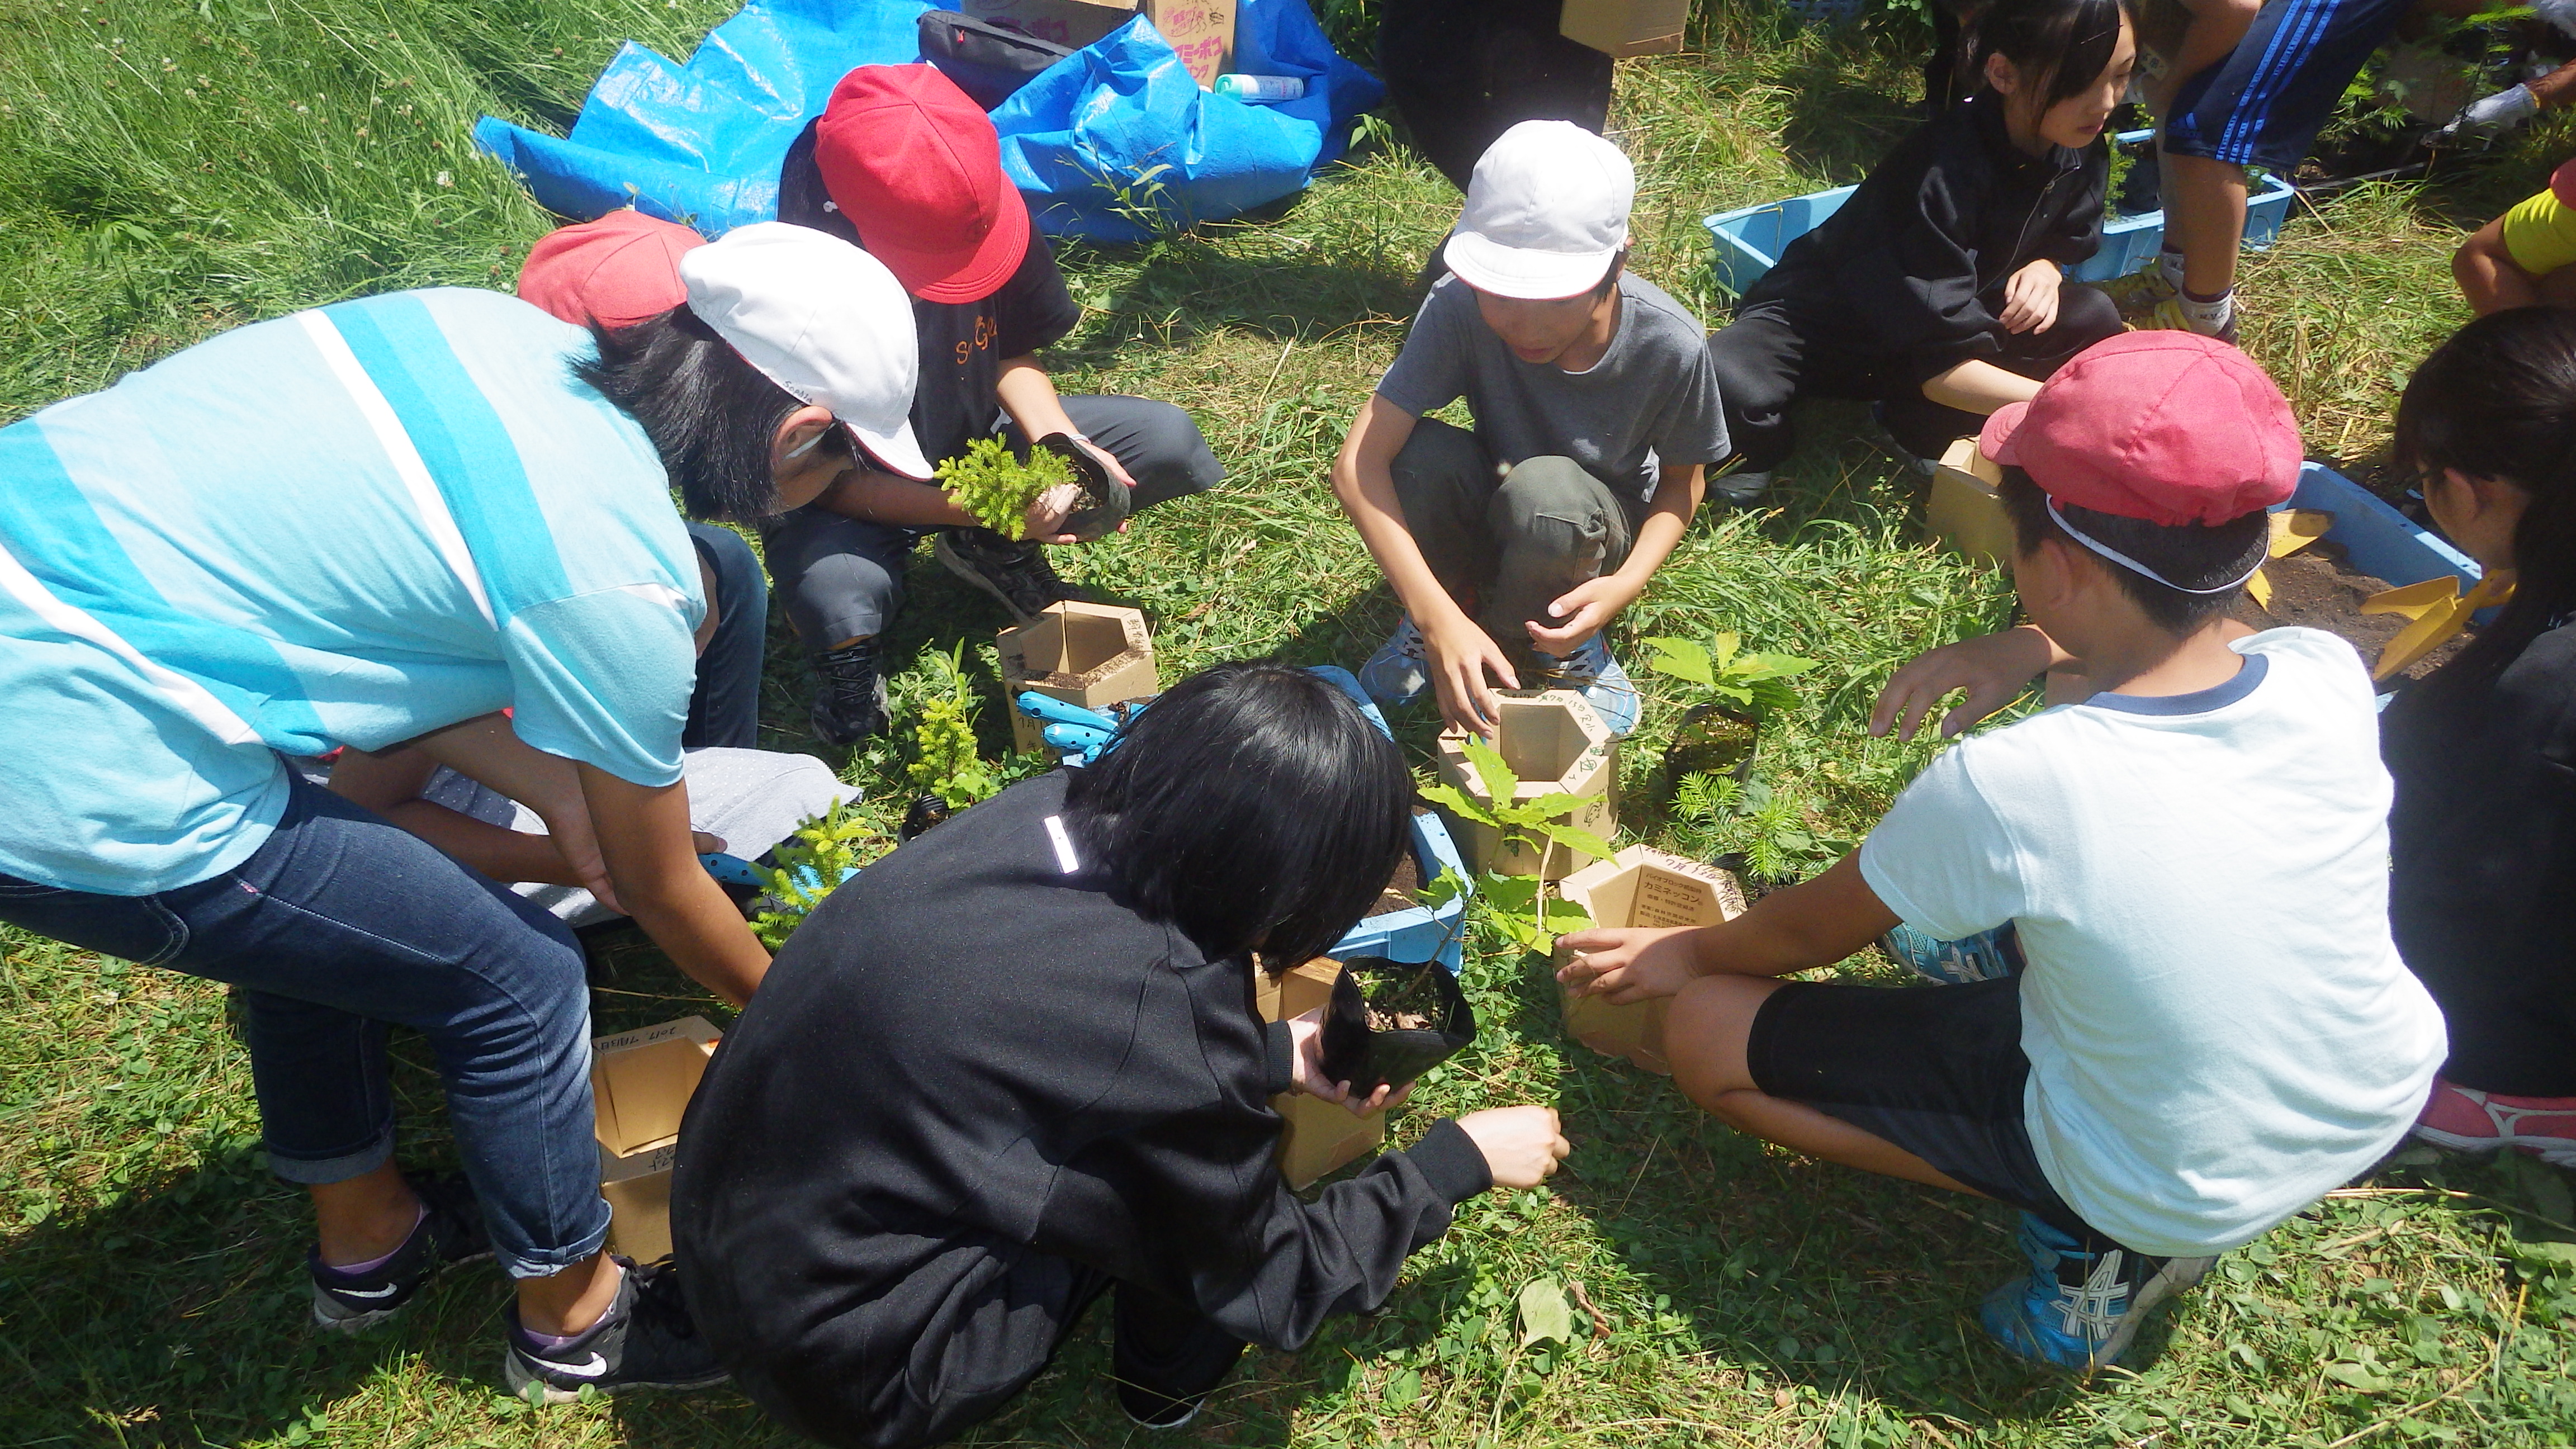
x,y
1751,680
1519,904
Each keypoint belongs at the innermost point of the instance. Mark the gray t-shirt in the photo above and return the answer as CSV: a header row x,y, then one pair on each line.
x,y
1650,402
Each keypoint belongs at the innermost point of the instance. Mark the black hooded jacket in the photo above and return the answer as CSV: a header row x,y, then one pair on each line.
x,y
972,1084
1912,268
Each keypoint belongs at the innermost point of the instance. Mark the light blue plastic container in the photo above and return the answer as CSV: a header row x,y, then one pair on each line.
x,y
1748,241
2378,539
1420,933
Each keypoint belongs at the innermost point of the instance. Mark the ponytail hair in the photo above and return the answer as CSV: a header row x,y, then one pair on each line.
x,y
2059,46
2498,401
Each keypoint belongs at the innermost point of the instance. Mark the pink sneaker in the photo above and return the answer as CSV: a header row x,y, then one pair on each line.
x,y
2468,1120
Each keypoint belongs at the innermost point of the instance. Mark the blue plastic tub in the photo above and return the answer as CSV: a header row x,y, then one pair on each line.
x,y
1420,933
2378,539
1749,241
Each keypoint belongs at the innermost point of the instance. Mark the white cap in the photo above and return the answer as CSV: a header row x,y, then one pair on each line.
x,y
1546,211
823,320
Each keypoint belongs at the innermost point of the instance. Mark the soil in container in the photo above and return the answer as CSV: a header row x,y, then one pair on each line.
x,y
1415,1004
1401,886
2318,588
1398,895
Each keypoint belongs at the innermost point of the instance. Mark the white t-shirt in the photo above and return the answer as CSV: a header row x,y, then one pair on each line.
x,y
2219,1028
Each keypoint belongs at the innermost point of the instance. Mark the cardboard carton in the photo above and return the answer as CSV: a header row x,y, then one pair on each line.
x,y
640,1084
1625,27
1554,742
1201,32
1964,511
1073,23
1320,1136
1640,886
1093,655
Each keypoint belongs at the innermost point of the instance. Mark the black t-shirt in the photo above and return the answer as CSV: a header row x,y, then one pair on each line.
x,y
2482,843
962,343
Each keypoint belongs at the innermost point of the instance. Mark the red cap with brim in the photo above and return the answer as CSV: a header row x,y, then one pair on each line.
x,y
2169,427
917,169
617,271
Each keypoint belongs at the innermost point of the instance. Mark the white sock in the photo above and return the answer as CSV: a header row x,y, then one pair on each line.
x,y
2169,266
2211,317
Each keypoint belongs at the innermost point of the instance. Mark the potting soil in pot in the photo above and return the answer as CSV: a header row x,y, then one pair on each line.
x,y
1398,895
2317,588
1413,1005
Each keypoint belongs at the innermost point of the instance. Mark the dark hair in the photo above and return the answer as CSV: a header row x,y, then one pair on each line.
x,y
1610,279
2498,401
1253,806
2065,43
2195,555
711,415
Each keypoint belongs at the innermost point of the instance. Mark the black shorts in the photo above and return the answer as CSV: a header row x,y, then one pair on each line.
x,y
2264,104
1937,1070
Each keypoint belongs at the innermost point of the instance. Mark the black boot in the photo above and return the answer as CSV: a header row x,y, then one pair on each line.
x,y
849,693
1166,1358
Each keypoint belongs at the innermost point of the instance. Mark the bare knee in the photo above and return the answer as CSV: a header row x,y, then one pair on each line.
x,y
1705,1033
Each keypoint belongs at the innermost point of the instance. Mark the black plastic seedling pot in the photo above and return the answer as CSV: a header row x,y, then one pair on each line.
x,y
1109,502
1368,1058
1712,739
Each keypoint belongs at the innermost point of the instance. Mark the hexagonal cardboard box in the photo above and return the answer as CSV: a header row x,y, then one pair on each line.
x,y
1640,886
1093,655
1554,742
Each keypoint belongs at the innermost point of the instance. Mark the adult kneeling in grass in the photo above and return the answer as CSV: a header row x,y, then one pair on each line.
x,y
1016,1066
375,525
2175,1016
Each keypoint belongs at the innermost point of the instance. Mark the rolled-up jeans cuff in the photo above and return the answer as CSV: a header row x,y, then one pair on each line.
x,y
545,1263
323,1171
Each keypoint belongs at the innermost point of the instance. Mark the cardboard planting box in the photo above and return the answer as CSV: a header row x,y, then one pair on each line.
x,y
1625,27
1964,511
1072,23
1640,886
1201,33
1554,742
1320,1137
1093,655
640,1084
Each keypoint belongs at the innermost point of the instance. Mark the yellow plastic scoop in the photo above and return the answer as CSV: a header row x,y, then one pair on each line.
x,y
2435,610
2292,529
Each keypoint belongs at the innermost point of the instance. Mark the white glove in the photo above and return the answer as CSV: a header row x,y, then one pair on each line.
x,y
2559,13
2494,113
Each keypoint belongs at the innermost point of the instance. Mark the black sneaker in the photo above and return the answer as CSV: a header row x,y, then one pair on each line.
x,y
451,1231
1015,573
644,1341
849,694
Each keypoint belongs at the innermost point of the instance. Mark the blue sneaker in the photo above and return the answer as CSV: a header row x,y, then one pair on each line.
x,y
1591,672
1985,956
1400,670
2079,1309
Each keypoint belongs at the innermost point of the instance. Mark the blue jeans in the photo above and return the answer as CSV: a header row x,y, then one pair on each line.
x,y
724,709
340,924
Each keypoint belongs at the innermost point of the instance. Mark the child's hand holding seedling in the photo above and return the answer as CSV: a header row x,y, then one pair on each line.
x,y
1016,499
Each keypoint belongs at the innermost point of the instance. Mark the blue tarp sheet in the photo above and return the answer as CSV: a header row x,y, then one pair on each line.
x,y
1113,143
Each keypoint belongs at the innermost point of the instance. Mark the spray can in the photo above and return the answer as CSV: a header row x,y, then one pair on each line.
x,y
1258,88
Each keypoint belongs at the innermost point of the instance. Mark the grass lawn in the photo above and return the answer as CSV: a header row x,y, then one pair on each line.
x,y
172,167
